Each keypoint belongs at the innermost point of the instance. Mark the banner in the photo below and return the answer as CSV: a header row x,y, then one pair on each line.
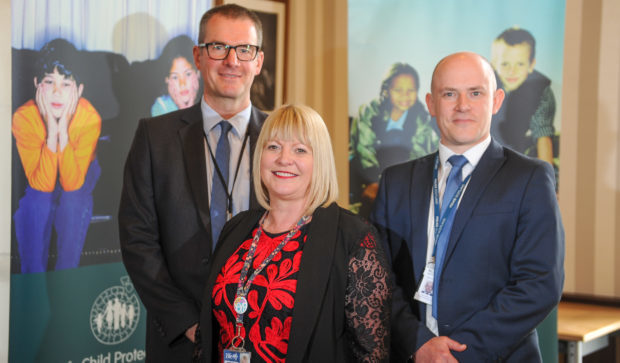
x,y
83,74
394,46
89,316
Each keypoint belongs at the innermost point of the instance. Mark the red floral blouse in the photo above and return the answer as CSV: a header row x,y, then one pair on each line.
x,y
270,300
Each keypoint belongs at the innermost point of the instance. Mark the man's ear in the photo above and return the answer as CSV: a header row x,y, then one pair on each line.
x,y
430,105
259,59
498,98
36,84
80,90
196,54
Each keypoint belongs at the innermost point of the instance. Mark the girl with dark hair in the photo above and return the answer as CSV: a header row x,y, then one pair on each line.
x,y
181,79
391,130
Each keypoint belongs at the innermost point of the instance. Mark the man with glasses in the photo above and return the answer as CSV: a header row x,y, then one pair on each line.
x,y
187,173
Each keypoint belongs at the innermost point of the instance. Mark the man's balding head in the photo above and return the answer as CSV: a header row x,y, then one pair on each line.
x,y
456,58
463,99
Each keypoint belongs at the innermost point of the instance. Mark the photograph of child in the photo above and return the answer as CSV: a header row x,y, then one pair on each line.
x,y
181,82
56,135
389,130
525,120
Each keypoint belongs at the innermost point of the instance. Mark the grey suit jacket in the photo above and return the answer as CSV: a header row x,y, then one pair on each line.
x,y
164,225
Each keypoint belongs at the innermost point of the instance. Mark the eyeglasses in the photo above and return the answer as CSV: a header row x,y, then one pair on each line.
x,y
219,51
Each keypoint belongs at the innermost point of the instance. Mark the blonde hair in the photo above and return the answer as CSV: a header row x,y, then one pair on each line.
x,y
302,123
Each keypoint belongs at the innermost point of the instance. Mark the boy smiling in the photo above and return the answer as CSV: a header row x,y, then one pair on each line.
x,y
525,121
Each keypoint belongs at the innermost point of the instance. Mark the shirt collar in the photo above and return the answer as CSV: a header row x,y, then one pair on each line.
x,y
210,118
397,124
473,154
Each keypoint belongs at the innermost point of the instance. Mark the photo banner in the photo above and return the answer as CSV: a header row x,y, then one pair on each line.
x,y
83,74
394,46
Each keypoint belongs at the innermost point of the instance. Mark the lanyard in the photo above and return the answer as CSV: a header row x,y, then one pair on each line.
x,y
221,176
442,214
240,303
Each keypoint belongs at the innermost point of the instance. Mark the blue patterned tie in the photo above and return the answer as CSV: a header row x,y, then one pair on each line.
x,y
452,185
219,194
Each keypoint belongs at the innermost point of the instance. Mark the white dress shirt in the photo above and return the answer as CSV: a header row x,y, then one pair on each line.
x,y
473,156
239,122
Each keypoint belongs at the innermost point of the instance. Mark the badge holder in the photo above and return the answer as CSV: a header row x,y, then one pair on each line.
x,y
235,352
424,293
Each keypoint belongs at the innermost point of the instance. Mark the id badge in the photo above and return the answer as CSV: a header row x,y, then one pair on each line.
x,y
236,356
425,290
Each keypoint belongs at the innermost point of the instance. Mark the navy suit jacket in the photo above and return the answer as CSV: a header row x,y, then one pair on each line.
x,y
503,271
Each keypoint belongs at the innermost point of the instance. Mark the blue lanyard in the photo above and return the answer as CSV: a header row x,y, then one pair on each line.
x,y
441,214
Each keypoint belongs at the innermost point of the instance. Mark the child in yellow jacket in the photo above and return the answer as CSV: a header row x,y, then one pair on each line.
x,y
56,136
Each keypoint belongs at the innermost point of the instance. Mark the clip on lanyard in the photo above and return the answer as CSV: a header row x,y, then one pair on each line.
x,y
240,303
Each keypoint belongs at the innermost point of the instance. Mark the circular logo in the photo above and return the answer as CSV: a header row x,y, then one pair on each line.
x,y
240,304
115,313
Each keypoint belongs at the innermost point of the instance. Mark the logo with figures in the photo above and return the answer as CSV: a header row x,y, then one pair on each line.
x,y
115,313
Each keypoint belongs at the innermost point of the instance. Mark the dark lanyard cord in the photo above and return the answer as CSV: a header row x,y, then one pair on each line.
x,y
219,172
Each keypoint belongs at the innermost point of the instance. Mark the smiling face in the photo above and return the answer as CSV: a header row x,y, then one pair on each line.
x,y
286,170
57,90
182,83
403,92
228,81
512,63
463,100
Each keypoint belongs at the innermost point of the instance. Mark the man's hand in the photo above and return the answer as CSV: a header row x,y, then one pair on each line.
x,y
371,191
438,350
191,333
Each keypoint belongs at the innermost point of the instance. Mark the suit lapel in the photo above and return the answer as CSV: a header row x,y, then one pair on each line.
x,y
491,161
420,196
233,237
256,122
312,282
192,141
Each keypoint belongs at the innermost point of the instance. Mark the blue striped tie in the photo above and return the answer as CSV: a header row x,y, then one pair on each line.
x,y
452,185
219,194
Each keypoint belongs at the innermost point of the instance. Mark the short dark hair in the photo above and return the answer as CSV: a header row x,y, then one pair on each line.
x,y
58,54
232,11
514,36
179,46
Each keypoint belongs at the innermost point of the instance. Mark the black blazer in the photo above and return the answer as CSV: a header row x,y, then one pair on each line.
x,y
504,265
164,225
318,331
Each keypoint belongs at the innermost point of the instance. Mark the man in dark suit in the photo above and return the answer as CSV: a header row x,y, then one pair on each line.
x,y
496,270
171,208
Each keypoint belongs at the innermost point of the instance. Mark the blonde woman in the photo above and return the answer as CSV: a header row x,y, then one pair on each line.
x,y
301,279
